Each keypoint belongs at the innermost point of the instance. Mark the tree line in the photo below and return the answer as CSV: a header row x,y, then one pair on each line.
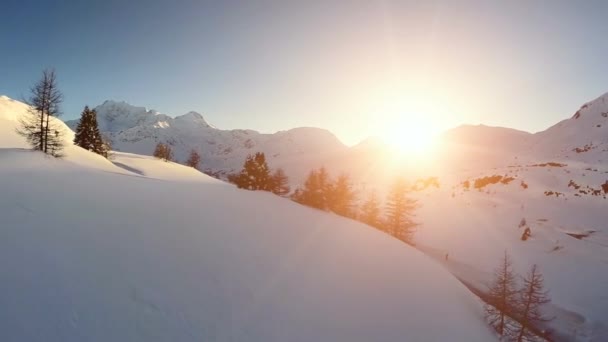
x,y
45,134
323,192
514,310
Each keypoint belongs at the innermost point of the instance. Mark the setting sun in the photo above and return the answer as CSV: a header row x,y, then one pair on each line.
x,y
411,138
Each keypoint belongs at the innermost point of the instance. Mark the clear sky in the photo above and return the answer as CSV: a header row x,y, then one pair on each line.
x,y
357,68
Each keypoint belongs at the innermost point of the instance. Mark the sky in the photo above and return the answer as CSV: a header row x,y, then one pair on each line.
x,y
356,68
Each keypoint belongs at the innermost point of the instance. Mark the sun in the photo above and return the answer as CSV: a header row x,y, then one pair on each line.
x,y
411,137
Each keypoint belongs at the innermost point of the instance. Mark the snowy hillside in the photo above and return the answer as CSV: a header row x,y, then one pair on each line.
x,y
143,250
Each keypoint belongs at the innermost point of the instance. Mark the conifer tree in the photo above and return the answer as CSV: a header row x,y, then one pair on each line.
x,y
255,174
502,298
40,131
87,133
370,211
280,183
163,151
532,297
399,212
193,159
315,189
341,196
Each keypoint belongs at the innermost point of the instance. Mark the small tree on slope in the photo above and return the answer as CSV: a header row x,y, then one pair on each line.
x,y
341,197
532,297
36,126
399,212
193,159
370,211
502,299
255,174
163,151
87,133
280,183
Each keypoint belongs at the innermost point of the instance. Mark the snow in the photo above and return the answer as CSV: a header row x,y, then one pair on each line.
x,y
144,250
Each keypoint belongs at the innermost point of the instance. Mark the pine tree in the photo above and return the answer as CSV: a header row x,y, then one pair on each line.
x,y
87,133
399,212
502,298
370,211
280,183
194,159
532,297
315,189
163,151
40,131
255,174
341,196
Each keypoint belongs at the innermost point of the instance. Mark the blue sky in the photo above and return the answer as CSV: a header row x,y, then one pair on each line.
x,y
357,68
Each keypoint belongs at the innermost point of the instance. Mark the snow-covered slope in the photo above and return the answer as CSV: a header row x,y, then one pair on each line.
x,y
147,251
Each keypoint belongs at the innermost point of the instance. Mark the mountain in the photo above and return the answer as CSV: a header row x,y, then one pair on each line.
x,y
137,249
138,130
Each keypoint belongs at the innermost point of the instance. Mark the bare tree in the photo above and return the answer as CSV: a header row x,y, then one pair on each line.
x,y
164,152
532,297
502,298
36,126
194,159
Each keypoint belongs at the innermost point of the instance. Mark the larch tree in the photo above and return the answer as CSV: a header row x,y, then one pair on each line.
x,y
163,151
194,159
36,126
87,133
370,211
502,299
532,297
399,212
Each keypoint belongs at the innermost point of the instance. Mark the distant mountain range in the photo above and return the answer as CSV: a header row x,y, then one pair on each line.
x,y
135,129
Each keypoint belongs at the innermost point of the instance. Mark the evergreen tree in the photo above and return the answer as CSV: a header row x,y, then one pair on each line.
x,y
370,211
87,133
194,159
255,174
315,190
502,298
532,297
163,151
280,183
36,126
399,212
341,196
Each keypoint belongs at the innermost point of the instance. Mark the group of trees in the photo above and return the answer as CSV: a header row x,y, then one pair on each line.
x,y
512,310
256,175
163,151
47,135
321,192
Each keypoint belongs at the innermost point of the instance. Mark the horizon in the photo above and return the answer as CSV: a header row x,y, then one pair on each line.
x,y
386,69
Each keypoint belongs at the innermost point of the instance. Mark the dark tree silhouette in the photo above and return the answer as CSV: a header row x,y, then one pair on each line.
x,y
502,298
315,191
399,212
531,298
164,152
40,131
87,133
280,183
193,159
255,174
